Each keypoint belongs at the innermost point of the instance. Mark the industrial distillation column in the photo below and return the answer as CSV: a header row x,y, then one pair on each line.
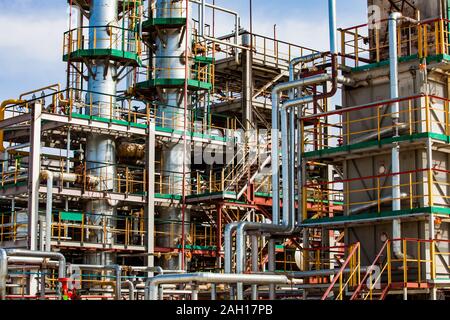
x,y
170,63
101,149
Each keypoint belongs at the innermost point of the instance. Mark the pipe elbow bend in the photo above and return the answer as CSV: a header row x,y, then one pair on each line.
x,y
395,16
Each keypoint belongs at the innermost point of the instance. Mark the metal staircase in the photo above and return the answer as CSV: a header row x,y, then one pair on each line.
x,y
250,161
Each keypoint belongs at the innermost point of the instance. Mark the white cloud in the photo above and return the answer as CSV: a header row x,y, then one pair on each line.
x,y
30,50
36,39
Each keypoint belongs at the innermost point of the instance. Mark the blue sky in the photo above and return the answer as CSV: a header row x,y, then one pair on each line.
x,y
32,33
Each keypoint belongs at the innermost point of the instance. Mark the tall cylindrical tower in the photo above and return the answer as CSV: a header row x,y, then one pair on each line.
x,y
170,63
101,150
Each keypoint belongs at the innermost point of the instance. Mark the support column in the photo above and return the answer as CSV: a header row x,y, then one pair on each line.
x,y
33,186
150,208
247,83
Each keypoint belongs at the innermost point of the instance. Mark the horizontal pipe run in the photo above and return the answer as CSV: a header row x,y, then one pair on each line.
x,y
42,254
213,278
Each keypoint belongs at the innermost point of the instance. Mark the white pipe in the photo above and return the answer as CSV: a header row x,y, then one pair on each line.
x,y
41,254
288,224
48,213
396,200
131,291
202,26
213,278
3,273
332,26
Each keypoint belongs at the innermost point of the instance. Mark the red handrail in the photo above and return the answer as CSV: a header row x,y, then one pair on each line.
x,y
358,289
341,271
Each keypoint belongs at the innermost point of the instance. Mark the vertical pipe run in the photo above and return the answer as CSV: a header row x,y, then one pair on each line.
x,y
332,26
255,251
395,108
275,159
3,273
48,213
271,253
285,165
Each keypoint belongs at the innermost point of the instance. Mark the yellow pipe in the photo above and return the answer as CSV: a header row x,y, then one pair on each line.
x,y
3,107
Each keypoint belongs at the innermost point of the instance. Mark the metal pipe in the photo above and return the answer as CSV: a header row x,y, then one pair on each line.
x,y
114,267
276,93
131,291
395,108
213,292
213,278
288,224
228,245
49,177
255,251
271,254
48,212
41,254
3,273
365,207
332,26
202,26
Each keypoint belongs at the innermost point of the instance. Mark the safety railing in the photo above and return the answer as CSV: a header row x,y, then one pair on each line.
x,y
80,226
13,172
216,127
362,45
418,261
347,280
323,258
362,125
419,188
96,176
248,159
13,226
199,235
266,50
200,73
285,259
101,37
172,183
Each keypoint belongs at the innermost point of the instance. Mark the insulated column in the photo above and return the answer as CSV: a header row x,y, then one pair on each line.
x,y
170,64
101,149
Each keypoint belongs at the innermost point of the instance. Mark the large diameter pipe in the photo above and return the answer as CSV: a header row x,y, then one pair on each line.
x,y
48,212
332,26
276,93
131,290
213,278
3,273
396,197
42,254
